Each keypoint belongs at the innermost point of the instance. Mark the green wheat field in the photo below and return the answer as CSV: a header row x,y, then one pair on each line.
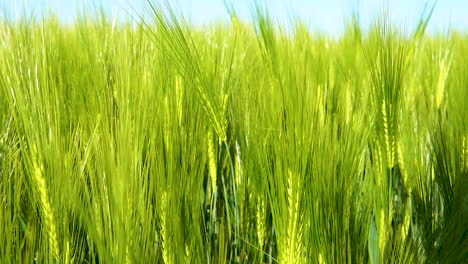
x,y
156,141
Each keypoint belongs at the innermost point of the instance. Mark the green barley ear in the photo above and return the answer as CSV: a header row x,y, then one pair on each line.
x,y
179,90
167,124
387,57
444,68
47,212
405,228
401,161
224,120
321,261
128,260
389,142
212,161
261,221
174,38
68,259
381,231
238,166
165,234
292,249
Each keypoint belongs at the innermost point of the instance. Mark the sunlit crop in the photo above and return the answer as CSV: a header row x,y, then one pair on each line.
x,y
160,142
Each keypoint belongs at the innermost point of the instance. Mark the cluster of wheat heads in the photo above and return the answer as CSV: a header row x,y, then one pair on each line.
x,y
160,142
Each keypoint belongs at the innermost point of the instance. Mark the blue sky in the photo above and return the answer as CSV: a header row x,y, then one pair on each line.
x,y
323,15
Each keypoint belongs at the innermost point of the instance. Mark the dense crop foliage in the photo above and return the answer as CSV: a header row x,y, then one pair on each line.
x,y
161,142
